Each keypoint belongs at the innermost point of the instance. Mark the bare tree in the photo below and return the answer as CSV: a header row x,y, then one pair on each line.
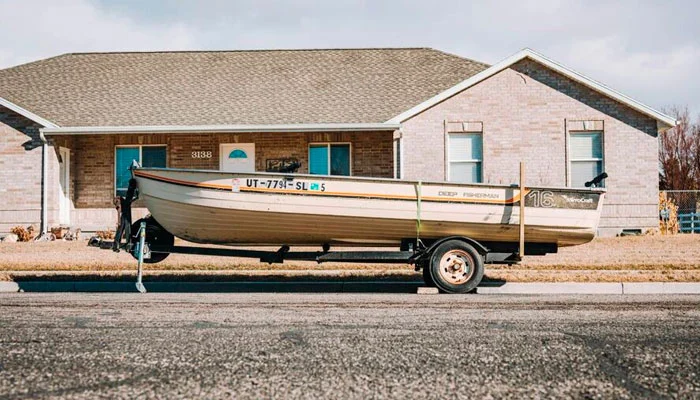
x,y
679,153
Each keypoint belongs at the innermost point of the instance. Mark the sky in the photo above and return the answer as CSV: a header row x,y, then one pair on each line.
x,y
648,50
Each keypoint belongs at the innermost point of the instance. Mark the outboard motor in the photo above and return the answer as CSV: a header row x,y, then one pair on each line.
x,y
595,182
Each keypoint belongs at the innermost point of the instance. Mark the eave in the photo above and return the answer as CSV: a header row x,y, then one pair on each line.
x,y
108,130
26,113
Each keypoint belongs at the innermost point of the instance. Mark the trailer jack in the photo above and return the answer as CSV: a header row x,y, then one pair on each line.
x,y
141,252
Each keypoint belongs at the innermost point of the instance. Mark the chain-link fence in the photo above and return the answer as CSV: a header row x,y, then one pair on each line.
x,y
687,203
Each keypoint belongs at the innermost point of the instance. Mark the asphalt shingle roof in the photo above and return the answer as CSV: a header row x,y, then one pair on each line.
x,y
232,87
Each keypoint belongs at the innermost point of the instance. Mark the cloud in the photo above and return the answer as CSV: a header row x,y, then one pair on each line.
x,y
660,78
648,50
44,29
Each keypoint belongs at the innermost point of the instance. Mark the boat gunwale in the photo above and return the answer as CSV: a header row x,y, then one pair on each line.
x,y
371,179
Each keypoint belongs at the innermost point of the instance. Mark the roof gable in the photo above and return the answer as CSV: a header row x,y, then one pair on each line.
x,y
664,120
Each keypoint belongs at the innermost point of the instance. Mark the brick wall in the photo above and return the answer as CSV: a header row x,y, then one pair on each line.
x,y
524,112
93,161
20,171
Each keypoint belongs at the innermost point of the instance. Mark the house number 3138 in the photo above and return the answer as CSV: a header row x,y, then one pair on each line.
x,y
201,154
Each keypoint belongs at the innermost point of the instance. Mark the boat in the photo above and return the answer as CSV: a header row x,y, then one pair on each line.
x,y
260,208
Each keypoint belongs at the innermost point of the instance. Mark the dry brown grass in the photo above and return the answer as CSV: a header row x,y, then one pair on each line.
x,y
676,252
77,256
594,276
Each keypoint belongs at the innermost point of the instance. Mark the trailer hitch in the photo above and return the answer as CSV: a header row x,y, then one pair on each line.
x,y
276,257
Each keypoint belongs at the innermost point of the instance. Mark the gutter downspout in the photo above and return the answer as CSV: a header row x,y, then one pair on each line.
x,y
44,182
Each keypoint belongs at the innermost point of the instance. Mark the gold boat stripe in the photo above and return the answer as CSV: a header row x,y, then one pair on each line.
x,y
337,194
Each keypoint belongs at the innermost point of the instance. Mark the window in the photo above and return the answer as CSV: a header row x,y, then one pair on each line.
x,y
147,156
397,158
586,155
465,157
238,153
329,159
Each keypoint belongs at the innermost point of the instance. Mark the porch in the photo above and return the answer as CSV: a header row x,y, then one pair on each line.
x,y
88,170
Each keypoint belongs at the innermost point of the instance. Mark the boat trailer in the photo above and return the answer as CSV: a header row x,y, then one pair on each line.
x,y
412,251
454,264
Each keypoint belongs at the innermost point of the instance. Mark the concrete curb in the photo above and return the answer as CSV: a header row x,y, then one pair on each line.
x,y
349,286
593,288
6,287
661,287
552,288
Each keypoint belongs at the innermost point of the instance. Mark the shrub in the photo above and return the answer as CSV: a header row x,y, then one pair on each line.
x,y
669,226
23,234
105,235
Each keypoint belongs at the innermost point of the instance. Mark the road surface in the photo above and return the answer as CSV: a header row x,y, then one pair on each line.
x,y
348,346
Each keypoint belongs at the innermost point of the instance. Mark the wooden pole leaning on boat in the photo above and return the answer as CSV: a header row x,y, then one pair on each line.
x,y
521,251
419,190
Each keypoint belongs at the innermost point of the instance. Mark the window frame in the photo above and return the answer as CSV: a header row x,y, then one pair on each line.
x,y
479,161
140,147
573,160
328,148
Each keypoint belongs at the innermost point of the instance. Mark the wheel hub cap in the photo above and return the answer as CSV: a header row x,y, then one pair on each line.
x,y
456,267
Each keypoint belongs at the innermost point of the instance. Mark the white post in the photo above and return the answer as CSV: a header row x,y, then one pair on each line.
x,y
521,251
44,185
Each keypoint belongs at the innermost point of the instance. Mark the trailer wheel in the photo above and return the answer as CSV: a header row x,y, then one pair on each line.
x,y
155,235
456,267
427,278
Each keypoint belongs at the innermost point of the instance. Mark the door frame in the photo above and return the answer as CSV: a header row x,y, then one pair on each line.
x,y
64,192
221,153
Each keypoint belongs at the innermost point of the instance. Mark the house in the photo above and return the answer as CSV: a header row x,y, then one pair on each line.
x,y
70,125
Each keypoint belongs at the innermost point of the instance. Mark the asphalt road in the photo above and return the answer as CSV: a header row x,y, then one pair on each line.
x,y
338,345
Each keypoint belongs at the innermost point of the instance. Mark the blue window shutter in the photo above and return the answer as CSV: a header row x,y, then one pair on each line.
x,y
125,156
318,159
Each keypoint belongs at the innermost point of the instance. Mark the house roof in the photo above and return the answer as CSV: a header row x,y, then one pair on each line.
x,y
231,88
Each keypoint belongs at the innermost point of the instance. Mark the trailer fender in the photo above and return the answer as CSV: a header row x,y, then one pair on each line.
x,y
478,246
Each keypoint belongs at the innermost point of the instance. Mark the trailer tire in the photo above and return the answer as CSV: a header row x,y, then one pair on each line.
x,y
155,235
427,277
456,267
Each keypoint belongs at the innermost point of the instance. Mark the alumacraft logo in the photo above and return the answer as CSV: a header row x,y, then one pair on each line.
x,y
577,199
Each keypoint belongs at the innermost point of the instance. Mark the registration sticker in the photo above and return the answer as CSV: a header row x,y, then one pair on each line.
x,y
235,185
314,186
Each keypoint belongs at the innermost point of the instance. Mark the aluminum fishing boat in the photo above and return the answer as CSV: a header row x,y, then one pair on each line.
x,y
206,206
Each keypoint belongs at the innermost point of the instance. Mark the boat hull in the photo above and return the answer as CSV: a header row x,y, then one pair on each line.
x,y
227,208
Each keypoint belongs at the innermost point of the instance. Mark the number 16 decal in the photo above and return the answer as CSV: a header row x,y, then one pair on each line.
x,y
543,198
